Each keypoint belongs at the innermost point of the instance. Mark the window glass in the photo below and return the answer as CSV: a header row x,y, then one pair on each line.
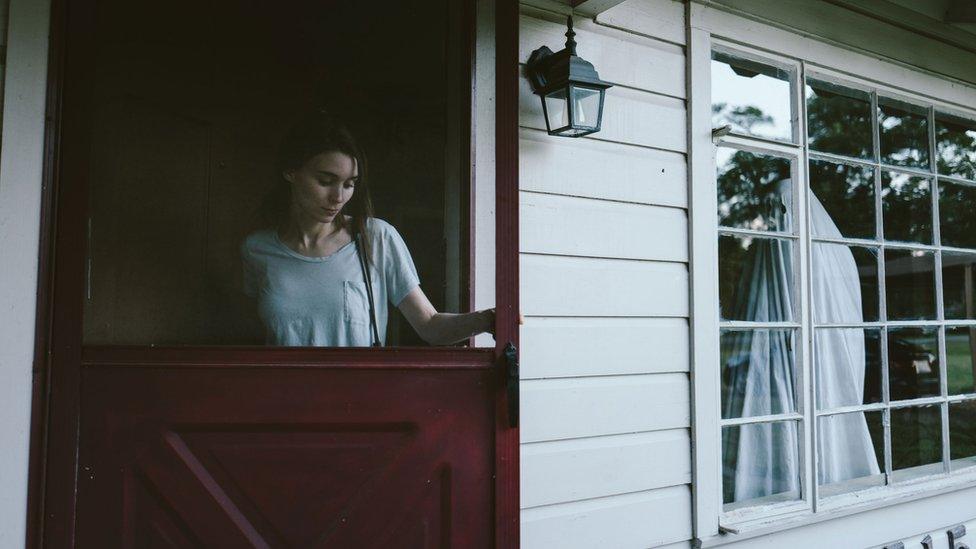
x,y
232,164
754,191
758,373
848,367
961,359
916,442
850,452
957,216
839,120
845,283
955,141
760,464
904,133
913,363
962,434
756,279
907,207
843,200
959,285
909,284
753,98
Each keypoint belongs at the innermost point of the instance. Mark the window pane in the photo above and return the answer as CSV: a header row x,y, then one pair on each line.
x,y
907,208
754,191
958,280
839,120
910,284
955,139
755,279
957,216
758,373
557,113
842,200
751,97
961,359
904,132
760,464
587,107
848,367
845,283
962,434
916,442
850,452
913,363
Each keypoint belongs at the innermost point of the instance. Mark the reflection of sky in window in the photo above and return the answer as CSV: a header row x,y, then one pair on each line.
x,y
771,96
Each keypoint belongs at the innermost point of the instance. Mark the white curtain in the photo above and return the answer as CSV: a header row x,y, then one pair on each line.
x,y
758,379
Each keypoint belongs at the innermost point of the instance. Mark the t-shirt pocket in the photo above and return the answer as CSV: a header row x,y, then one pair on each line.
x,y
355,302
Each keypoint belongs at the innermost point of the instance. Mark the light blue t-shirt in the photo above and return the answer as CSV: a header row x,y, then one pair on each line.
x,y
321,301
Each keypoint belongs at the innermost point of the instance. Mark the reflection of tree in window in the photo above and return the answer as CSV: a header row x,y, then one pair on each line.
x,y
956,145
839,120
752,193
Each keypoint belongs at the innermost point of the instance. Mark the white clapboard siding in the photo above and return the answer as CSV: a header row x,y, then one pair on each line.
x,y
632,521
554,409
661,19
576,347
629,116
565,225
596,169
578,286
619,57
569,470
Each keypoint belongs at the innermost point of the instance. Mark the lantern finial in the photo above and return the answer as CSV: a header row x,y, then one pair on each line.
x,y
570,34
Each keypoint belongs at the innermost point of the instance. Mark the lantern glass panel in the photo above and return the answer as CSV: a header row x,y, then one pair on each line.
x,y
586,107
557,114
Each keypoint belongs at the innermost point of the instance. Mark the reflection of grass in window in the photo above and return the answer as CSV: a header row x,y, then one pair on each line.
x,y
916,437
960,363
962,430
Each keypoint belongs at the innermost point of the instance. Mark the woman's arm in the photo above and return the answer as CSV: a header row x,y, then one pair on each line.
x,y
443,328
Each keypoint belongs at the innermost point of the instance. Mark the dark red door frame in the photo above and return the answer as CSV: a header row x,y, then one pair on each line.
x,y
58,351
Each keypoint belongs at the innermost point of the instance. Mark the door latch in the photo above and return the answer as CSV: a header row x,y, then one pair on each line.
x,y
512,383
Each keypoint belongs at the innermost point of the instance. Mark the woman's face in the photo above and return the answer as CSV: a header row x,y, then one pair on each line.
x,y
323,185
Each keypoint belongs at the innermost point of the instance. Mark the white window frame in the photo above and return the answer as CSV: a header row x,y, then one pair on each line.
x,y
708,28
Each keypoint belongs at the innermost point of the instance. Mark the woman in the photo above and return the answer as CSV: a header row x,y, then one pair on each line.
x,y
307,269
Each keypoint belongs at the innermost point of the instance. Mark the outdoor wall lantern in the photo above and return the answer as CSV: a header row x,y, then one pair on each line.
x,y
571,90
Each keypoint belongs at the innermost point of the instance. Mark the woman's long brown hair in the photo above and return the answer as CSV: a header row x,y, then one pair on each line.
x,y
316,133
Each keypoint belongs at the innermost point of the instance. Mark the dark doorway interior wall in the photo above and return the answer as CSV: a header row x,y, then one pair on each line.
x,y
192,99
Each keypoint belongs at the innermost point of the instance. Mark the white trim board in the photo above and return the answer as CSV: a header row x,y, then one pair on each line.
x,y
819,52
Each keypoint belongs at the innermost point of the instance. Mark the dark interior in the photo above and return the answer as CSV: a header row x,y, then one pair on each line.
x,y
190,101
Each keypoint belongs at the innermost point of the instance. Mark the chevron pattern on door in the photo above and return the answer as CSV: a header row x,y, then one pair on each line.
x,y
285,457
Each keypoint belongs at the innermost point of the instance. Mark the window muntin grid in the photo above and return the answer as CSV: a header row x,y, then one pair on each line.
x,y
902,177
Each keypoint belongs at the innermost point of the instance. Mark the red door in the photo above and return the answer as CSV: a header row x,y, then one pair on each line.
x,y
203,445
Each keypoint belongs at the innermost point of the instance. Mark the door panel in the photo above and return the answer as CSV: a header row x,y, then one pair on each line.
x,y
275,456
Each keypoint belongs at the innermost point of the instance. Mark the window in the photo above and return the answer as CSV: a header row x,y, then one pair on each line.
x,y
846,304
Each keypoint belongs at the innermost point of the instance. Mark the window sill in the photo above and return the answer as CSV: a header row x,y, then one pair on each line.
x,y
841,506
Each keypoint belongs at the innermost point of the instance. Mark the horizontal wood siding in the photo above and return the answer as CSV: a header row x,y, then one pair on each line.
x,y
594,169
571,226
645,519
592,406
606,452
569,470
600,346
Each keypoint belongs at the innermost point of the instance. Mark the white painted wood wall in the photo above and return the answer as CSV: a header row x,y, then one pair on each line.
x,y
606,454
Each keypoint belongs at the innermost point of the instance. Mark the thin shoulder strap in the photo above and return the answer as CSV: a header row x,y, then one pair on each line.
x,y
369,290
